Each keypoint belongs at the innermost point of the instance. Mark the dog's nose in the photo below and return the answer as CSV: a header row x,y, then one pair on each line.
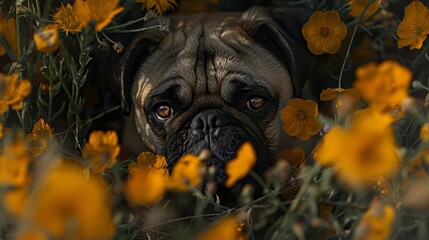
x,y
209,119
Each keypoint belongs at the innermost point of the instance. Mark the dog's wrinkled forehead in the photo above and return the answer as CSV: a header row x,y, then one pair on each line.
x,y
204,56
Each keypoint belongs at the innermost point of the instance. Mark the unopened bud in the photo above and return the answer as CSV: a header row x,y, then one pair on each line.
x,y
149,15
205,155
118,47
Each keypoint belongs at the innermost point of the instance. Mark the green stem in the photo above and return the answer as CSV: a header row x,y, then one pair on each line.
x,y
125,24
340,78
137,30
307,182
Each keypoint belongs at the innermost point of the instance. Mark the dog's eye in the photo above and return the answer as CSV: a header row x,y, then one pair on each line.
x,y
256,103
164,112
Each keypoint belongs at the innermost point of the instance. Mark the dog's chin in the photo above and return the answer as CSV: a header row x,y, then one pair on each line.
x,y
223,148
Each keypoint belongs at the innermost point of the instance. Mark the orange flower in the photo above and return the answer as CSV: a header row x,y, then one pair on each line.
x,y
102,150
324,32
159,5
424,132
299,118
148,179
67,19
187,171
241,165
295,156
8,31
101,12
414,28
357,7
227,229
15,200
13,92
363,151
66,204
39,137
346,99
376,223
14,162
47,39
383,86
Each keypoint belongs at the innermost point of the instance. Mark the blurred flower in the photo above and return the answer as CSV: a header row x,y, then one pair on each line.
x,y
67,19
227,229
383,86
39,137
241,165
148,179
414,28
12,92
324,32
299,118
67,204
15,200
363,151
1,130
14,162
357,7
8,31
376,222
102,150
363,53
345,99
160,6
188,168
31,234
417,194
424,132
47,39
295,156
100,11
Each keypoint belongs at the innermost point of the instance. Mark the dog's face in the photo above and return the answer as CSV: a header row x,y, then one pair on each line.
x,y
211,83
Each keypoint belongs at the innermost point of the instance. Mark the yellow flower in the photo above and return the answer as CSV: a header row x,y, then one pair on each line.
x,y
148,179
424,132
324,32
299,118
47,39
357,7
187,169
363,151
345,99
376,223
102,150
241,165
414,28
101,12
15,200
12,91
227,229
67,19
383,86
14,162
66,204
39,137
159,5
295,156
8,31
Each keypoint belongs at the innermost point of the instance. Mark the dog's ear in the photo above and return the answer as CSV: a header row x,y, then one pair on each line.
x,y
133,57
279,31
124,66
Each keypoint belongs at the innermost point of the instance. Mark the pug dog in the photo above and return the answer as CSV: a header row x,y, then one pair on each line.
x,y
215,81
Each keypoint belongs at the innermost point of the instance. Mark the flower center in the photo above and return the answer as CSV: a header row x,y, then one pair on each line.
x,y
324,31
301,115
